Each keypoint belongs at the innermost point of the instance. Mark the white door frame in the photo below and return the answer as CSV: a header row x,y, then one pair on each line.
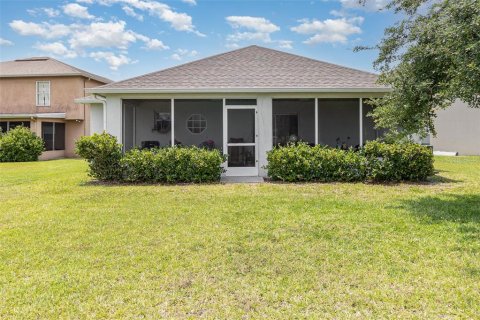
x,y
239,171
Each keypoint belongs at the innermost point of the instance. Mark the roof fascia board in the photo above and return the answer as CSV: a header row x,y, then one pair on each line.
x,y
56,115
238,90
54,75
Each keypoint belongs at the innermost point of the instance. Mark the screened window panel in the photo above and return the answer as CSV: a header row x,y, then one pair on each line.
x,y
59,138
14,124
241,125
47,135
3,126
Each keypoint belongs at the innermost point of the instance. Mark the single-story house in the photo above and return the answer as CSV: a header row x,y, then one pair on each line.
x,y
39,93
242,102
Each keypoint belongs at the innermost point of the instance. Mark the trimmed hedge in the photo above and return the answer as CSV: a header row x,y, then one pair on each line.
x,y
20,145
300,162
160,165
377,161
172,165
103,154
398,161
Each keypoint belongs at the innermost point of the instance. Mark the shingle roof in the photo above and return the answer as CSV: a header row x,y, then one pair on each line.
x,y
43,66
252,67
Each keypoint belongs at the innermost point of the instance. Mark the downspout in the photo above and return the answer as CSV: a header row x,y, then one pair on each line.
x,y
103,99
84,109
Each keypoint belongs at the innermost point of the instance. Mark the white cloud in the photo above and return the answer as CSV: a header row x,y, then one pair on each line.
x,y
102,35
77,11
85,1
130,12
285,44
370,5
257,29
44,29
5,42
56,48
232,45
192,2
114,61
155,44
330,30
249,36
176,56
178,20
181,54
257,24
49,12
81,37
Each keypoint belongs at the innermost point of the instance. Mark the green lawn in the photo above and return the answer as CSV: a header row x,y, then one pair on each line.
x,y
70,248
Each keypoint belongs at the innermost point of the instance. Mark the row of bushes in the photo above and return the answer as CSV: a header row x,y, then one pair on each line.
x,y
377,161
160,165
20,145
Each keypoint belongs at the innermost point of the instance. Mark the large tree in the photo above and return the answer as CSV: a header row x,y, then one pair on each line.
x,y
430,58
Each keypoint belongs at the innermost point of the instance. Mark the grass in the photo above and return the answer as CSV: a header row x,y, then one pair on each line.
x,y
74,249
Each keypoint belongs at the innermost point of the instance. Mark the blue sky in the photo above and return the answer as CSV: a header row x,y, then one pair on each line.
x,y
124,38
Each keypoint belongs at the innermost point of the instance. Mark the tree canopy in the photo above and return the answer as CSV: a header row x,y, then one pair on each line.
x,y
430,58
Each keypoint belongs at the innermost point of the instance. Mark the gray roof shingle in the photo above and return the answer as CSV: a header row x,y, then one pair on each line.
x,y
251,67
43,66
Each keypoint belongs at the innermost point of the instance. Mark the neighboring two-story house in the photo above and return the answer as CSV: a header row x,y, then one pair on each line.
x,y
39,93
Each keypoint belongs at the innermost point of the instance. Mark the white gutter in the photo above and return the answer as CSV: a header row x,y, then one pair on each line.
x,y
53,115
104,103
87,100
236,90
95,99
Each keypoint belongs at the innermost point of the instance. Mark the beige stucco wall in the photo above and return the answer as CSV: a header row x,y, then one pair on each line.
x,y
458,129
74,129
18,96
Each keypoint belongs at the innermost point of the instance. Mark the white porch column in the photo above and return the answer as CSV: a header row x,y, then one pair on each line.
x,y
265,132
360,103
316,121
225,129
172,121
113,117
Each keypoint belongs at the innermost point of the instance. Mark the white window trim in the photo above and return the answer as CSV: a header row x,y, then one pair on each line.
x,y
203,118
49,94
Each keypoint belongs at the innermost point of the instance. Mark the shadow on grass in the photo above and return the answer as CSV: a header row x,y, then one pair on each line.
x,y
433,180
98,183
461,208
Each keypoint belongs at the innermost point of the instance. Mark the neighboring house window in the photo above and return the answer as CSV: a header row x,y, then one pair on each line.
x,y
196,123
43,93
9,125
53,134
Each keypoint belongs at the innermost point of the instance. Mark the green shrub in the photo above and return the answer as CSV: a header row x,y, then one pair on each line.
x,y
103,154
171,165
398,161
20,144
300,162
377,161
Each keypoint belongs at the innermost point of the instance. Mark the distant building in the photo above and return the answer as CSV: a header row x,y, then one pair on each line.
x,y
39,93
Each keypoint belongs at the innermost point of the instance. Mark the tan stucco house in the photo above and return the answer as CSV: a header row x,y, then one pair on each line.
x,y
39,93
242,102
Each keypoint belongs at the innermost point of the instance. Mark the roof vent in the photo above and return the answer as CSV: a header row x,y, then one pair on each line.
x,y
34,59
